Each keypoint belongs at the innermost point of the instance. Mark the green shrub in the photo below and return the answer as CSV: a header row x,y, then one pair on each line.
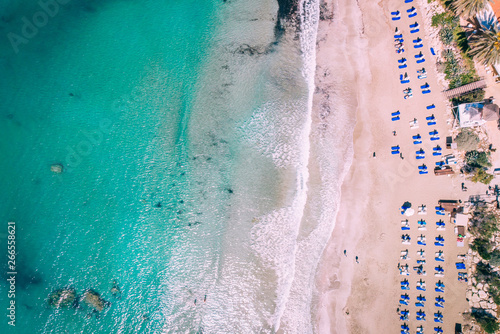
x,y
483,247
467,140
446,35
483,224
487,322
477,159
495,258
481,176
474,96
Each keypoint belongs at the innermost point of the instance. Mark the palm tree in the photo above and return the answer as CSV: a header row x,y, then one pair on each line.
x,y
485,46
468,8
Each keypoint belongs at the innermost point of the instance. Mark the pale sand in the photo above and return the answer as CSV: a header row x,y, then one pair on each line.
x,y
363,298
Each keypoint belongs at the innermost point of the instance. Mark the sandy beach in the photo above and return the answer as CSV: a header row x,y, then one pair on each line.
x,y
363,297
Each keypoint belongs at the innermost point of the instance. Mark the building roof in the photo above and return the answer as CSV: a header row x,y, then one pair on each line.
x,y
461,219
470,114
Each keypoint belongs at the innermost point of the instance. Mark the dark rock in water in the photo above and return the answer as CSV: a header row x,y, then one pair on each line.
x,y
61,298
115,290
158,205
94,300
71,94
229,190
181,201
57,168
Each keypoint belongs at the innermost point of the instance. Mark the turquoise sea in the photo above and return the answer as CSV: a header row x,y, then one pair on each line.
x,y
182,129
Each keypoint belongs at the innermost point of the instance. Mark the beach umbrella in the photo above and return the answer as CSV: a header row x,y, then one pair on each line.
x,y
409,212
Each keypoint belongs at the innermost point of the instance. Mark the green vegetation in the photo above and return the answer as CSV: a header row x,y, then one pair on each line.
x,y
468,8
483,224
485,45
487,321
483,247
495,258
477,159
458,67
480,175
467,140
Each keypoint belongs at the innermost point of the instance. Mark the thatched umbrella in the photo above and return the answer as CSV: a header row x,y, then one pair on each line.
x,y
490,112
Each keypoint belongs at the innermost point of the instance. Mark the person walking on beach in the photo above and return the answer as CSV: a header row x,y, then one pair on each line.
x,y
357,260
401,156
345,252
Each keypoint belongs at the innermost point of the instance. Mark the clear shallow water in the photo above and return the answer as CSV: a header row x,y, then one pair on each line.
x,y
183,131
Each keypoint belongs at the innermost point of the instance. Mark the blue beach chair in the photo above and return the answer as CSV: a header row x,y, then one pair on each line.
x,y
412,15
395,113
417,142
433,133
433,52
414,25
398,36
408,1
414,31
419,55
418,46
424,86
431,123
432,106
417,41
426,91
423,172
395,118
434,138
430,118
402,60
402,66
421,60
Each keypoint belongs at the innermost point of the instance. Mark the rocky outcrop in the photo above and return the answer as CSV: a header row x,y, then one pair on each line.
x,y
62,298
94,300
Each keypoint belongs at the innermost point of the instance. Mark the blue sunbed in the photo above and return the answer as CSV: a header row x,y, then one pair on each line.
x,y
430,118
420,55
418,46
408,1
420,288
402,60
417,136
418,40
395,152
426,91
431,123
395,118
395,13
414,30
432,51
440,163
424,86
437,148
395,147
398,36
420,60
395,18
439,290
409,10
417,142
433,133
422,167
438,244
395,113
405,81
460,265
423,172
403,66
412,15
439,259
436,154
432,106
420,157
414,25
434,138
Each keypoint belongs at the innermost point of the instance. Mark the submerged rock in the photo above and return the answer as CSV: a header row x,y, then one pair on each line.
x,y
61,298
115,290
57,168
93,299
